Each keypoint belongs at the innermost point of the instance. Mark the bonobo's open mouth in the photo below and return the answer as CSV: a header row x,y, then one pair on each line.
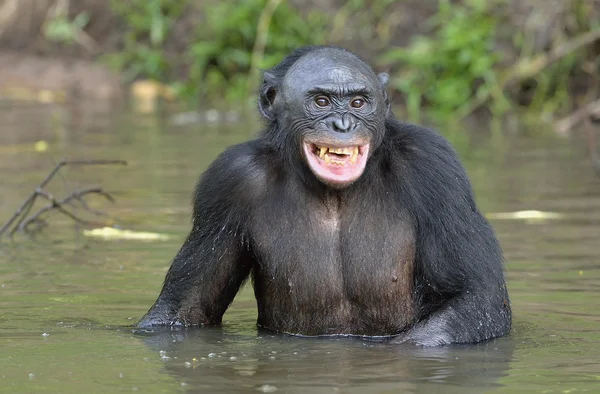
x,y
336,165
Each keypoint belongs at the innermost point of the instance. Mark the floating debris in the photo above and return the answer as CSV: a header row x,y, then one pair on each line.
x,y
111,233
267,388
525,215
145,94
40,146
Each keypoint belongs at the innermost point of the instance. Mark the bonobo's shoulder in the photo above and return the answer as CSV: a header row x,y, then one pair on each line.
x,y
422,146
420,140
428,156
237,168
240,159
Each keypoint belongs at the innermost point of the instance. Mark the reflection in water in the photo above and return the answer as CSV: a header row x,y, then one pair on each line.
x,y
222,361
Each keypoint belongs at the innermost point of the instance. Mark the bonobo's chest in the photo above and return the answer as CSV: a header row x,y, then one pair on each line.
x,y
333,266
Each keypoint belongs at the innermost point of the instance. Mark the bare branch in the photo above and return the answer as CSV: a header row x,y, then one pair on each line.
x,y
564,125
19,221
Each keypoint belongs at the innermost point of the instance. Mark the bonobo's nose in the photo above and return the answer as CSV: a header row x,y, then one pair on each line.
x,y
342,124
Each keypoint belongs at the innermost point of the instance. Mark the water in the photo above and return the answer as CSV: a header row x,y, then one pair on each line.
x,y
66,300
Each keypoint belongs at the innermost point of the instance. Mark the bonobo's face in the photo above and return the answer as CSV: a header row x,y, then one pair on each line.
x,y
337,106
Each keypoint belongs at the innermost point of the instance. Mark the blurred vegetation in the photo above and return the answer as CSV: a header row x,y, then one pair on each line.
x,y
476,54
448,59
222,52
61,29
238,39
147,24
454,65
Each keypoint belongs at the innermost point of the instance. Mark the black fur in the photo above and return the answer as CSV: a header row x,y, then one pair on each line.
x,y
403,251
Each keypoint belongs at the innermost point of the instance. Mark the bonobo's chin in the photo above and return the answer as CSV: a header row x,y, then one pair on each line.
x,y
336,166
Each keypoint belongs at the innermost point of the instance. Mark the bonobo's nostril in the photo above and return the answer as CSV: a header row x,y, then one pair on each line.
x,y
342,124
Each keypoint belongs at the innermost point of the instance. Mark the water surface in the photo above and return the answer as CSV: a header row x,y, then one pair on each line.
x,y
66,300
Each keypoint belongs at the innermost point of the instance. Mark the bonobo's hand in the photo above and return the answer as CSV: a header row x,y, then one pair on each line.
x,y
159,315
421,335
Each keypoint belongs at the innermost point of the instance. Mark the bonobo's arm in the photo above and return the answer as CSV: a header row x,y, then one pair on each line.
x,y
214,261
459,263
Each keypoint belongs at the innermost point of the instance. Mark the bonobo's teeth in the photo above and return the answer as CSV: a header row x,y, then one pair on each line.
x,y
322,151
352,152
354,156
341,151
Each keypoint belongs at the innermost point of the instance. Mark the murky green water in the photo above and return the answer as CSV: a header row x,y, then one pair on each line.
x,y
65,299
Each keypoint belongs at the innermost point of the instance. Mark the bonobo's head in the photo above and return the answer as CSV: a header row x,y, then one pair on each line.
x,y
330,107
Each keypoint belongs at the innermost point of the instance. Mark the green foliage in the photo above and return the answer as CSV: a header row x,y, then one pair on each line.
x,y
147,25
452,67
62,30
221,56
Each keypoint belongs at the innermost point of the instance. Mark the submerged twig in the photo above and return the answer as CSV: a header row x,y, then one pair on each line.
x,y
59,206
20,220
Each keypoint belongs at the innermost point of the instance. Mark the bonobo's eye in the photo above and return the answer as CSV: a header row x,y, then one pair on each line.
x,y
322,101
357,102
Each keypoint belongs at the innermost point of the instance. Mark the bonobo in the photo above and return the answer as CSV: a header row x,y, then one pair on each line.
x,y
349,221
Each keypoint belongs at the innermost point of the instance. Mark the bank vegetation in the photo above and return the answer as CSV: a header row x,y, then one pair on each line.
x,y
447,59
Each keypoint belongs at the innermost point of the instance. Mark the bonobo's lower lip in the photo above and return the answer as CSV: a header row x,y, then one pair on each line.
x,y
336,165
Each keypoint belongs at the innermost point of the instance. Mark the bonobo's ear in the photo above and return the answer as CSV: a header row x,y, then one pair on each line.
x,y
384,79
266,96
